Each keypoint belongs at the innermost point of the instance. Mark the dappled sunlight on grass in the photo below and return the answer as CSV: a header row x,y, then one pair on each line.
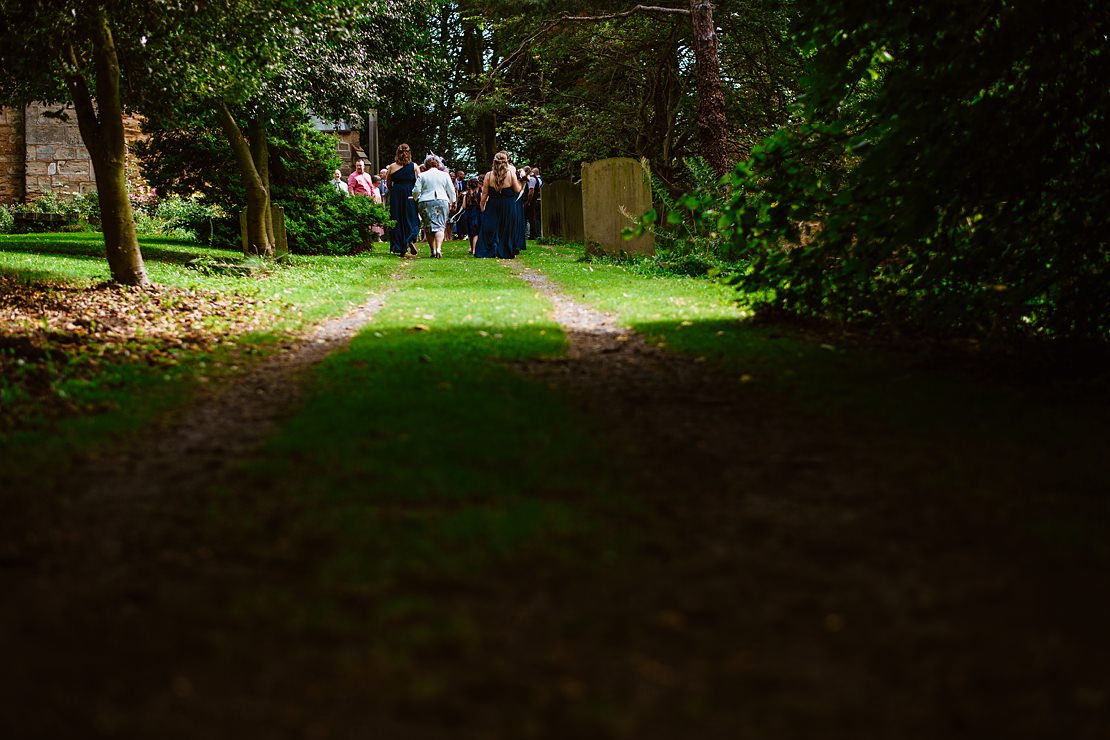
x,y
85,379
437,473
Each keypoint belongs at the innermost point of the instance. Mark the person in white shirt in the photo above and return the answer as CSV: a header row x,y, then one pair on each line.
x,y
434,193
338,183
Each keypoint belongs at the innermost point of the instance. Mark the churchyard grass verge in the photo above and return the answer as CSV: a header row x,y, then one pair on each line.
x,y
422,472
86,363
829,374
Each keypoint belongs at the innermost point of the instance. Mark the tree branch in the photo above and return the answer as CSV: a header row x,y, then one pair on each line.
x,y
625,14
578,19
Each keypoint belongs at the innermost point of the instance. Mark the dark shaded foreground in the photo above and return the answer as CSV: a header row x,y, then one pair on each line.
x,y
733,563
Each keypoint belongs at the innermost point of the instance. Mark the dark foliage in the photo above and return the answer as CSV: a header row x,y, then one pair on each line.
x,y
949,171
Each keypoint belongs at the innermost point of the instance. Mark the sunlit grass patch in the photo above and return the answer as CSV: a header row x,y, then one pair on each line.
x,y
83,361
423,462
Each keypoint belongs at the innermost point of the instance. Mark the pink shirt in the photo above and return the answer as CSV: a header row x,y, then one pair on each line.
x,y
360,184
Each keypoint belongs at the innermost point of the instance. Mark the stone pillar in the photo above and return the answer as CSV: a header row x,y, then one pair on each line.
x,y
562,210
615,192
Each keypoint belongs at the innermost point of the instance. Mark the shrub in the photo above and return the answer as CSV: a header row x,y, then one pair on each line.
x,y
317,219
72,213
688,241
321,221
7,223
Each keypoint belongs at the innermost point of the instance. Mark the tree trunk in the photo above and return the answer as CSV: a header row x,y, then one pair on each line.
x,y
101,129
486,121
260,153
712,123
259,227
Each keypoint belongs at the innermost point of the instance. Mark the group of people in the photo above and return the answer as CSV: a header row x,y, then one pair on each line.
x,y
496,212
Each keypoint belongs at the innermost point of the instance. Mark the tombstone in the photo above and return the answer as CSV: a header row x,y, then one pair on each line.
x,y
615,193
281,241
561,214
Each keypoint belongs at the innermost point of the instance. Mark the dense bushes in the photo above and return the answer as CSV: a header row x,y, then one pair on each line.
x,y
323,221
948,171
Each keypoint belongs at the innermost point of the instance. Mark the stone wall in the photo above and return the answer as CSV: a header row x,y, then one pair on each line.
x,y
40,154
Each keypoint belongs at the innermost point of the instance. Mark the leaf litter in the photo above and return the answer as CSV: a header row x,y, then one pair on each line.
x,y
52,334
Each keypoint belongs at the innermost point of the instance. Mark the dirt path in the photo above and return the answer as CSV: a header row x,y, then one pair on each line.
x,y
820,576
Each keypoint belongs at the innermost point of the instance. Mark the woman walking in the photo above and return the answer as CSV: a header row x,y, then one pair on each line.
x,y
501,218
401,176
471,207
434,195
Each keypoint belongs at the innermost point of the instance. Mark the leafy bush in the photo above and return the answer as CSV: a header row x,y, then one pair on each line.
x,y
971,197
322,221
7,223
317,219
75,213
688,241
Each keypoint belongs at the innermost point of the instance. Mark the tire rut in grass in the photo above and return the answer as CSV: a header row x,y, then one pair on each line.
x,y
226,423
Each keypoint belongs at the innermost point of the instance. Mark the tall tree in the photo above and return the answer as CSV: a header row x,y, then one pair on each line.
x,y
56,51
661,81
269,61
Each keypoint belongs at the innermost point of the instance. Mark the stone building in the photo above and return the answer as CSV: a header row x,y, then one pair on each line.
x,y
347,145
40,154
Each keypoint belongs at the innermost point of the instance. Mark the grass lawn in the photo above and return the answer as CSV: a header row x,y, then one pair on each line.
x,y
440,545
69,390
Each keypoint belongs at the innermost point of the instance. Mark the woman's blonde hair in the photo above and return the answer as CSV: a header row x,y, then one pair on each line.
x,y
501,166
404,154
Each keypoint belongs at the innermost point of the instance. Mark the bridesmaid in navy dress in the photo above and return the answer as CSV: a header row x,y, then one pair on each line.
x,y
501,218
471,217
402,208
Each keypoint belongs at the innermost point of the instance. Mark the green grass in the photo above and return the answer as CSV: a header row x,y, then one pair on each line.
x,y
981,417
319,286
693,315
437,473
129,396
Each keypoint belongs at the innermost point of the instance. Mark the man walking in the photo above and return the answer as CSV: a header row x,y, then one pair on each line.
x,y
532,204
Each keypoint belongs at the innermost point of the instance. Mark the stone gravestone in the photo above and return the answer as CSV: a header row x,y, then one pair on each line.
x,y
615,192
281,241
561,214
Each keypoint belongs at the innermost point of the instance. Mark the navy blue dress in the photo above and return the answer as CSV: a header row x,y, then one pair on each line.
x,y
402,209
472,216
502,225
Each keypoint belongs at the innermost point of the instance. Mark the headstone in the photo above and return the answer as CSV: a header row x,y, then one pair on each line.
x,y
561,214
615,193
281,242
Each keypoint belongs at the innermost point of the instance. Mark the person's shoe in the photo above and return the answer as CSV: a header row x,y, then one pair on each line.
x,y
412,249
